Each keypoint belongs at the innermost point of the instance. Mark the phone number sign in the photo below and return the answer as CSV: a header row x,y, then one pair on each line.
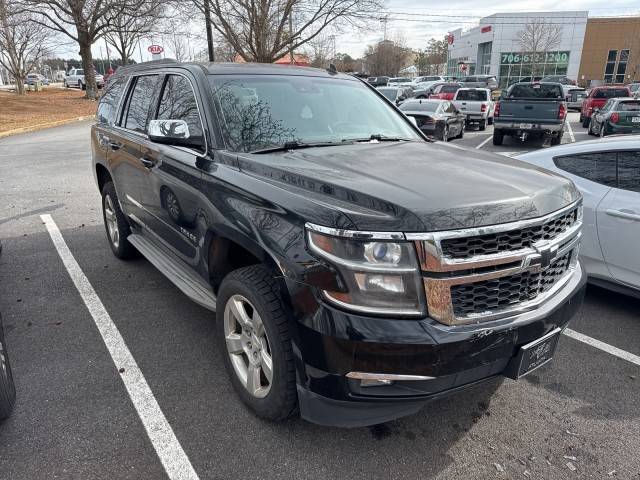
x,y
510,58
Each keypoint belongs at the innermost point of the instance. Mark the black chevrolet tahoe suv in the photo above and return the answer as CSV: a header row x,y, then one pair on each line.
x,y
357,270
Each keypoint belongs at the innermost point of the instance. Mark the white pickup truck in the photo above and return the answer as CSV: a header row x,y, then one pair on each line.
x,y
476,104
75,78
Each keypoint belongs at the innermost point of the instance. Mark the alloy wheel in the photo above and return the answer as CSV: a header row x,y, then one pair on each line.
x,y
248,346
112,221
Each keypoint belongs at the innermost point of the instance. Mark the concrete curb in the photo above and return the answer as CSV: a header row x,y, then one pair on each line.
x,y
42,126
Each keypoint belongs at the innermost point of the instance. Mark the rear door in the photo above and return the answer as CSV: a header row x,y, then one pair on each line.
x,y
125,141
619,221
170,193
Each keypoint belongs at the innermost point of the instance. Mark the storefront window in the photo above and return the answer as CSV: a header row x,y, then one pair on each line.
x,y
610,66
622,66
521,66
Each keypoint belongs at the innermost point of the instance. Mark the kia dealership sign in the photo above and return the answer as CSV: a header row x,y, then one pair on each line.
x,y
155,49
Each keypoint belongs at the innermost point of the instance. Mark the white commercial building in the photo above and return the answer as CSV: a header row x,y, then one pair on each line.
x,y
493,47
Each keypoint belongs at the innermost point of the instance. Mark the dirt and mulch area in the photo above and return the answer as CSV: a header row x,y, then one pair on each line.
x,y
39,108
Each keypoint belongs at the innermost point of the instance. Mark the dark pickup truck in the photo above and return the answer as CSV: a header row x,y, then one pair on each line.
x,y
526,109
357,270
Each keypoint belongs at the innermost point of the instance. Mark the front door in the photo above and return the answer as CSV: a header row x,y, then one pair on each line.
x,y
125,140
619,222
170,194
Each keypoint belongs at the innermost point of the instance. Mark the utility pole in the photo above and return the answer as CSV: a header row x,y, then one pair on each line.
x,y
207,23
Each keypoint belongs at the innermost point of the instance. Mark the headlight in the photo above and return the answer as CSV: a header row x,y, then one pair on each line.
x,y
379,276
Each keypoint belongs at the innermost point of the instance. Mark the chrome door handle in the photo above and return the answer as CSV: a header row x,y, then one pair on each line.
x,y
627,215
146,162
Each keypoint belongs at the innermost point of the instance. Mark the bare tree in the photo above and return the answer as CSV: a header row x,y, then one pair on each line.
x,y
387,58
178,46
131,26
320,51
23,43
538,36
267,30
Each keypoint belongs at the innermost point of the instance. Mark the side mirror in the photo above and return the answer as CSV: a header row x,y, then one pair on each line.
x,y
172,132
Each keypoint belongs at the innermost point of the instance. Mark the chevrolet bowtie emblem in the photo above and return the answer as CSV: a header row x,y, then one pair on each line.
x,y
547,254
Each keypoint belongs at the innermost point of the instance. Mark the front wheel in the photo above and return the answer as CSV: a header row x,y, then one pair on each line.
x,y
444,134
7,387
603,130
253,330
585,122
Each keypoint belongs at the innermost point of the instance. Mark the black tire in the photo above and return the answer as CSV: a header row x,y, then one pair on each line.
x,y
498,137
581,118
7,387
590,129
258,285
120,248
444,133
603,130
556,140
490,121
461,134
585,122
81,85
482,126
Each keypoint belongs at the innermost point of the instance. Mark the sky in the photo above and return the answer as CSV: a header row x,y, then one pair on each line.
x,y
416,21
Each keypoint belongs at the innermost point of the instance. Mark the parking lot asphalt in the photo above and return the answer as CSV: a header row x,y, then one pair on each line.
x,y
74,418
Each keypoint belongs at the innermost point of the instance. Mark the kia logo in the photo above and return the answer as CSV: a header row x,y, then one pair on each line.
x,y
155,49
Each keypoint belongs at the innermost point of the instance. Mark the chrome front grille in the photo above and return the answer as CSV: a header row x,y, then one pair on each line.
x,y
501,293
487,273
463,247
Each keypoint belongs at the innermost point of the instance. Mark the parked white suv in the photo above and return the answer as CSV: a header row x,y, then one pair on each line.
x,y
75,78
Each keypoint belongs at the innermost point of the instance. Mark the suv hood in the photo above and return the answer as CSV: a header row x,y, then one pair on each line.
x,y
413,186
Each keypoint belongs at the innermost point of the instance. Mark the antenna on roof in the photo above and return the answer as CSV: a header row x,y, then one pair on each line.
x,y
332,69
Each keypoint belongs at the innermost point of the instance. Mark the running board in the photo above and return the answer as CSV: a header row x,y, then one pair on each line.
x,y
192,285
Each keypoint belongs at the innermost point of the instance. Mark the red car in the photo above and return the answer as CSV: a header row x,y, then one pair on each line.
x,y
446,91
597,97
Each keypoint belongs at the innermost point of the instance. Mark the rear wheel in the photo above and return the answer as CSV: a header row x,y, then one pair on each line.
x,y
490,121
116,224
7,387
603,130
482,126
556,140
254,336
498,137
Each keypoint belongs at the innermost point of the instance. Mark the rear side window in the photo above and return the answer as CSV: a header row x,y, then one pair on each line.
x,y
535,90
139,103
472,95
178,102
108,106
449,88
597,167
629,171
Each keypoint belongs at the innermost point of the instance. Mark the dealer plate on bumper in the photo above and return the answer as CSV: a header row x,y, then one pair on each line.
x,y
526,126
533,355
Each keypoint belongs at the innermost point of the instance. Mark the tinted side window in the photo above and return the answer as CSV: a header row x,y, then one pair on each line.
x,y
109,101
139,103
597,167
629,171
178,102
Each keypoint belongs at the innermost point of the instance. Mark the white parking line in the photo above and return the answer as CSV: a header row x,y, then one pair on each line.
x,y
573,139
629,357
484,142
175,461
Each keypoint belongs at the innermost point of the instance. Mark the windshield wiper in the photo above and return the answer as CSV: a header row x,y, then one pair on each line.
x,y
296,146
376,137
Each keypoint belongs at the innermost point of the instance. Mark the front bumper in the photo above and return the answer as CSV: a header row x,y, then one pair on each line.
x,y
509,127
333,343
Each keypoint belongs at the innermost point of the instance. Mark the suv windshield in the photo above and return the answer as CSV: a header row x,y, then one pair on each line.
x,y
262,111
535,90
